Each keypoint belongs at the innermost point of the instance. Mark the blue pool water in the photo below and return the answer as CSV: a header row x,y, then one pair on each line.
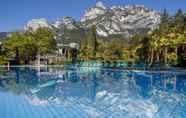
x,y
91,93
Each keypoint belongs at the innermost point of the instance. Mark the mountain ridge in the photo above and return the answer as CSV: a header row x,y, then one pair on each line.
x,y
123,20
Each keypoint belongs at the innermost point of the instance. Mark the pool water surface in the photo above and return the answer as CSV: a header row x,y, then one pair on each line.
x,y
91,93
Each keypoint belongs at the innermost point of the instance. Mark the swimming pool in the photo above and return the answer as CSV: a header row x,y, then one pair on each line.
x,y
91,93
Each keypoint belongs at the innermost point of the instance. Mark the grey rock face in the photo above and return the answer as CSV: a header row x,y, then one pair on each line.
x,y
124,21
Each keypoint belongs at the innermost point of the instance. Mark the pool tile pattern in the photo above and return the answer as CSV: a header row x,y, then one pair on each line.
x,y
141,95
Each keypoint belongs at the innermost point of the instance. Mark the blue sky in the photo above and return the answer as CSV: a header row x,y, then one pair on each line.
x,y
15,13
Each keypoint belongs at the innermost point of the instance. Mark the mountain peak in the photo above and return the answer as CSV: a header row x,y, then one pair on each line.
x,y
66,21
34,24
100,5
94,12
121,20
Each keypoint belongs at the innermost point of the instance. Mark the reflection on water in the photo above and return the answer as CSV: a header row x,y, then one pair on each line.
x,y
86,92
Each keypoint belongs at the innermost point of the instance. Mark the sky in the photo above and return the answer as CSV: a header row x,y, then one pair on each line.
x,y
14,14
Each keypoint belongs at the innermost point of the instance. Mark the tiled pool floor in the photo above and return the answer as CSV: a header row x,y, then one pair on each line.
x,y
98,94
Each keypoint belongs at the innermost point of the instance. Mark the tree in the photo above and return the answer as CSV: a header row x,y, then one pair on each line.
x,y
165,20
45,41
90,44
179,21
29,44
114,49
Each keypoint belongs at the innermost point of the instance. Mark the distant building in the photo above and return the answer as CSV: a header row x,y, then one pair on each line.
x,y
64,52
64,48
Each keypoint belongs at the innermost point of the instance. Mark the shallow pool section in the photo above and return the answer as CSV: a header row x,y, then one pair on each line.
x,y
91,93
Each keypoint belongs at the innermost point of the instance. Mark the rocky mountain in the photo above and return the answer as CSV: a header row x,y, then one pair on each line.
x,y
34,24
67,22
123,21
94,12
68,30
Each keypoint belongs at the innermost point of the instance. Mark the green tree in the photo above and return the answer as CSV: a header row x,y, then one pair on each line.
x,y
179,21
29,44
45,41
114,49
89,45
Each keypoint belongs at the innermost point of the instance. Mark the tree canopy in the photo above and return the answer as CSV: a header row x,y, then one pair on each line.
x,y
29,44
